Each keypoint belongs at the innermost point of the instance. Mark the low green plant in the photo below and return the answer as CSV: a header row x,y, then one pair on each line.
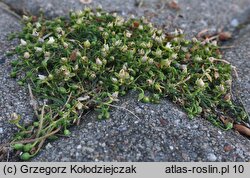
x,y
89,60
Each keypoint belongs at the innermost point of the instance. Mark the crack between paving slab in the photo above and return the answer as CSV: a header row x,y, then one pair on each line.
x,y
10,11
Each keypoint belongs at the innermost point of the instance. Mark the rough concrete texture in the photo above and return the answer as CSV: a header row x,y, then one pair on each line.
x,y
192,17
13,98
163,132
239,56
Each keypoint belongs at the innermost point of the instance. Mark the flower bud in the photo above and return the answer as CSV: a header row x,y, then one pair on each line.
x,y
86,44
158,53
114,80
150,61
165,63
227,97
128,34
98,61
65,45
150,81
197,58
123,74
23,42
168,45
221,88
38,49
41,77
200,83
51,40
47,54
64,59
140,27
26,55
144,58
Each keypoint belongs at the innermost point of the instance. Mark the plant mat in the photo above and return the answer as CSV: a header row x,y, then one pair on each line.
x,y
87,61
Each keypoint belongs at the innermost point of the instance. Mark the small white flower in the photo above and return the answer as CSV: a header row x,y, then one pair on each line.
x,y
228,82
150,81
26,55
119,21
124,48
143,45
101,29
166,63
115,95
47,54
106,47
98,14
123,74
110,24
38,49
114,80
76,67
38,25
150,25
174,56
79,105
141,52
214,43
64,59
23,42
200,83
140,27
128,34
198,58
158,53
118,43
79,12
132,16
84,98
149,44
41,40
184,68
65,45
184,49
42,77
51,40
125,66
194,40
35,33
221,88
211,59
144,58
25,17
98,61
150,61
168,45
93,76
158,39
86,44
79,21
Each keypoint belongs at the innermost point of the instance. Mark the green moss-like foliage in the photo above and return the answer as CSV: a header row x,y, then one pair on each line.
x,y
92,58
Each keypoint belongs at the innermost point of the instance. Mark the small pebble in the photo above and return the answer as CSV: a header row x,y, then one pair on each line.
x,y
79,147
234,23
171,147
48,146
1,130
211,157
136,122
